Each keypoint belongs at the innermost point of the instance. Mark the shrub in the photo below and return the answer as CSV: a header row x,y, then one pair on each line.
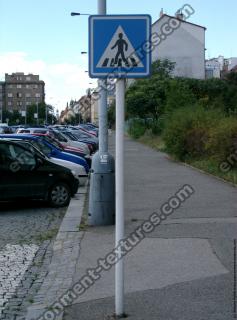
x,y
157,126
137,128
187,132
223,140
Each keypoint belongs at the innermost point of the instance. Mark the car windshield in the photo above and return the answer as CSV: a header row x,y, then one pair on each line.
x,y
33,147
54,142
41,146
59,136
70,135
81,134
40,131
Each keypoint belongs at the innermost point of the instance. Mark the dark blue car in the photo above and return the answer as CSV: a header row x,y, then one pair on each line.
x,y
48,149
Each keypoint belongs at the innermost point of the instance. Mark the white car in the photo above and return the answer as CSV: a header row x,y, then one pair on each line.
x,y
76,144
78,171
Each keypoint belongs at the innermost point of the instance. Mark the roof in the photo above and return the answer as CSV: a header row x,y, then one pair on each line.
x,y
234,69
184,21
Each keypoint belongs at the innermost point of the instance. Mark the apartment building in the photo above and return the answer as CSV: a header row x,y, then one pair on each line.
x,y
185,46
2,97
19,91
219,67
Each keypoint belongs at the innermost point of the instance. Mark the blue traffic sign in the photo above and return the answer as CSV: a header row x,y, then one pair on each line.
x,y
120,46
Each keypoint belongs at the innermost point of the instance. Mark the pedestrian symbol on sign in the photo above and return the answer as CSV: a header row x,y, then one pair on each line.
x,y
121,44
125,56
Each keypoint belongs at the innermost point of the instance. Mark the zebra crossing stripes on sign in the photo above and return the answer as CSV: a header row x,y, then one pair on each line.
x,y
120,52
116,46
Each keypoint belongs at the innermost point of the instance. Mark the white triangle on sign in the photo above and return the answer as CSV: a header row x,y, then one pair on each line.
x,y
119,53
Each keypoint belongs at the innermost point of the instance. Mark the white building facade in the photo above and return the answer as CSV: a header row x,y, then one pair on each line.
x,y
185,46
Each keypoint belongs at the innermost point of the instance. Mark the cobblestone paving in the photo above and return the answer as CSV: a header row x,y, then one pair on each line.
x,y
27,233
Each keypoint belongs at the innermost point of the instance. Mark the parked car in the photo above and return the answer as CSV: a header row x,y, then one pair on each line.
x,y
27,175
89,129
85,135
78,170
66,141
5,129
75,136
49,150
32,130
72,150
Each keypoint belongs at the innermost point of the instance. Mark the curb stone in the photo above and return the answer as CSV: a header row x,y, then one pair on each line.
x,y
66,249
203,172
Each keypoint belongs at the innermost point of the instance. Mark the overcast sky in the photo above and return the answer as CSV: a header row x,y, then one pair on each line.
x,y
41,37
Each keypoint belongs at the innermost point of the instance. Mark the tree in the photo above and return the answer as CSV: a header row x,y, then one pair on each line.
x,y
42,107
146,98
13,118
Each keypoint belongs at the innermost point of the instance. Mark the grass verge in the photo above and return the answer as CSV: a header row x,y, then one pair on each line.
x,y
206,165
155,142
213,168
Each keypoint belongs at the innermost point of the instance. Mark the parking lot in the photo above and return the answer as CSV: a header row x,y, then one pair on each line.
x,y
27,232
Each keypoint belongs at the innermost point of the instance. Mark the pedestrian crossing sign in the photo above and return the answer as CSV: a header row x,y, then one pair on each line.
x,y
120,46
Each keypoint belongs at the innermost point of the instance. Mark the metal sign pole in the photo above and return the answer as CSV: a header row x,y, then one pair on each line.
x,y
103,132
112,44
119,269
102,7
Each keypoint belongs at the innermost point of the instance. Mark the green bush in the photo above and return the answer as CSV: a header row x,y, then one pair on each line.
x,y
223,140
137,128
157,126
187,132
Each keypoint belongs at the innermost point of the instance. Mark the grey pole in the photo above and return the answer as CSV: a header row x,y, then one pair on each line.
x,y
46,113
103,122
119,268
1,113
37,112
101,7
102,181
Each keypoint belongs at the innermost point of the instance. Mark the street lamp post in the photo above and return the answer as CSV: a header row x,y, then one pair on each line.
x,y
37,112
46,113
1,113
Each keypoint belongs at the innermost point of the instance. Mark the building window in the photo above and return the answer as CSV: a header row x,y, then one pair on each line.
x,y
19,103
28,103
27,86
35,86
18,86
37,95
19,95
10,95
28,78
9,103
10,86
28,95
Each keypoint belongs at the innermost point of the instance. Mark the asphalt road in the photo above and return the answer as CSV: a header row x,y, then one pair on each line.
x,y
27,231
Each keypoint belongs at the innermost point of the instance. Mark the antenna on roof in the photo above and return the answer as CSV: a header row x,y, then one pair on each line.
x,y
161,12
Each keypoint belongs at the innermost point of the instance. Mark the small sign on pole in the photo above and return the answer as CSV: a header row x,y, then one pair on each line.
x,y
119,47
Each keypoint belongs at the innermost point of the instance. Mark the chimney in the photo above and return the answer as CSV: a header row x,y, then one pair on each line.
x,y
179,15
161,12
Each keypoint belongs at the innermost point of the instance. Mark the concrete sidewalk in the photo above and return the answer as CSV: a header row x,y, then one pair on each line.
x,y
183,269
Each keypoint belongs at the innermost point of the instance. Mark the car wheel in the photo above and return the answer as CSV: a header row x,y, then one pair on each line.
x,y
59,195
